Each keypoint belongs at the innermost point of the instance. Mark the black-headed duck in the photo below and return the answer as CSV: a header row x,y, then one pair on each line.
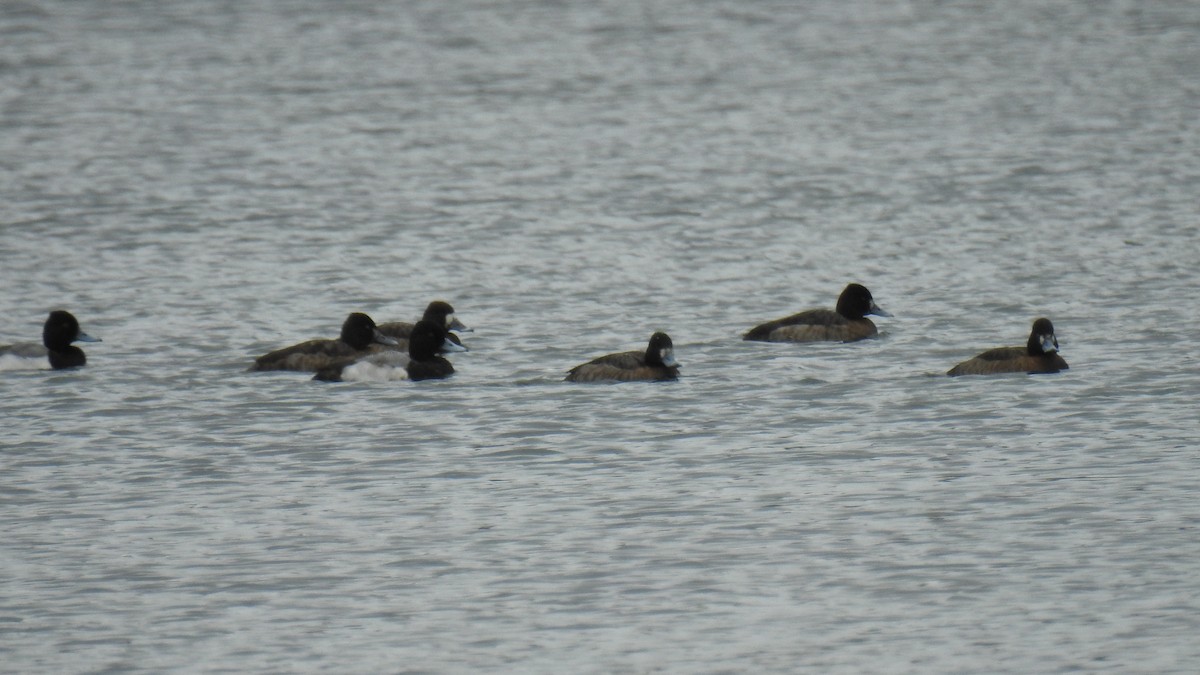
x,y
59,331
1039,355
848,323
358,333
656,363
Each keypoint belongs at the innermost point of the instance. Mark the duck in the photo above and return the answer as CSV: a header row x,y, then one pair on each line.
x,y
358,333
426,342
438,311
847,323
58,332
1039,355
657,363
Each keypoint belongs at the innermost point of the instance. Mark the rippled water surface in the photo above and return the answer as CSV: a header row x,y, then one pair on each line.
x,y
203,182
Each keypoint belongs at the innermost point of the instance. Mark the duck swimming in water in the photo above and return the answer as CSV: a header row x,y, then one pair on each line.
x,y
1039,355
358,333
847,323
58,332
656,363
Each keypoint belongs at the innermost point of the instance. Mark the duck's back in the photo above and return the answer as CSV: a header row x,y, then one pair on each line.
x,y
620,367
24,350
396,329
24,356
308,356
814,325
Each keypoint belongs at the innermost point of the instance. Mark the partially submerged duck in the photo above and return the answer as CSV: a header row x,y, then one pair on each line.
x,y
358,333
1039,355
656,363
846,323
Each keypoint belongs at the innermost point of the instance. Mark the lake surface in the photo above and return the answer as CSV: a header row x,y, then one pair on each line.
x,y
202,182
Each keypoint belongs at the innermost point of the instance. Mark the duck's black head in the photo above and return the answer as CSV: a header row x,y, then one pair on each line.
x,y
428,339
1041,338
61,329
359,331
442,313
661,351
856,301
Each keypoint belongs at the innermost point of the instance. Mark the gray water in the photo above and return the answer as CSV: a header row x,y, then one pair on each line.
x,y
203,182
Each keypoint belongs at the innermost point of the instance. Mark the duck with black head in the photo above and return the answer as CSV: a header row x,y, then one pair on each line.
x,y
438,311
847,323
657,363
427,341
1039,355
358,333
58,332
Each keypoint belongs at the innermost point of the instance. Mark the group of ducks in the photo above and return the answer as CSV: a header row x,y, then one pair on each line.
x,y
405,351
370,352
